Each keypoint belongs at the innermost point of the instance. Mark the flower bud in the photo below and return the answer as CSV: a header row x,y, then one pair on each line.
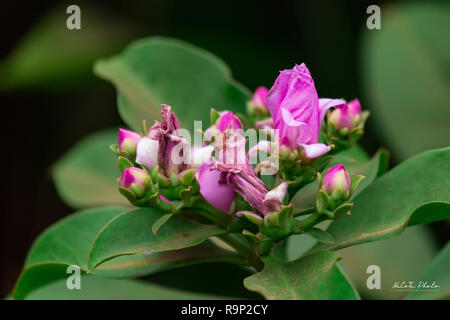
x,y
128,141
259,98
135,180
337,181
228,120
347,116
258,105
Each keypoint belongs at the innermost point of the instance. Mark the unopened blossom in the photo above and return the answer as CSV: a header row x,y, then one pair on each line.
x,y
135,180
226,120
346,115
297,111
336,179
259,98
128,141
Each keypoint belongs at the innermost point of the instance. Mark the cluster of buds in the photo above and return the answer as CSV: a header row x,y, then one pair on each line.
x,y
151,175
160,169
344,125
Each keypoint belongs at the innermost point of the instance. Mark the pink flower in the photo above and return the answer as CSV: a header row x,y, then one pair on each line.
x,y
238,174
346,115
158,147
220,196
135,180
230,172
128,141
297,111
336,179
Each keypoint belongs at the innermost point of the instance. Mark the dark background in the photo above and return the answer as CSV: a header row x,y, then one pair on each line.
x,y
256,39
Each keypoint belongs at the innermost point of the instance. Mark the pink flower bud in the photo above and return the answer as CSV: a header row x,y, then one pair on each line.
x,y
336,179
135,180
346,116
128,141
228,120
259,98
297,111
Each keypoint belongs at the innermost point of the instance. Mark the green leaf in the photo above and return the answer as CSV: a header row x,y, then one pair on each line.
x,y
69,241
409,191
50,55
98,288
320,235
160,222
438,272
130,266
407,76
356,163
86,175
63,244
433,211
159,70
131,233
353,156
314,276
395,259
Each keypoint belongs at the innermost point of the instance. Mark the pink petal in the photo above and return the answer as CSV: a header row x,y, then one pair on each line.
x,y
228,120
220,196
326,103
147,152
314,150
201,155
259,97
263,146
355,106
277,194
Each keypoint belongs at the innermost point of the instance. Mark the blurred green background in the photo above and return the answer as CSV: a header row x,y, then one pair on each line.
x,y
51,98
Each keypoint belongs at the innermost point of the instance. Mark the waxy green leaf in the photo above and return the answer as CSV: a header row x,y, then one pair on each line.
x,y
68,242
394,257
130,266
131,233
412,190
86,175
61,245
52,56
406,69
158,70
437,274
314,276
99,288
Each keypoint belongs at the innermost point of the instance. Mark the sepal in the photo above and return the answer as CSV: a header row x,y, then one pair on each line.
x,y
123,163
355,183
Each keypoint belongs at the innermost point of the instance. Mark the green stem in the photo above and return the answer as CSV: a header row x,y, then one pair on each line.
x,y
243,247
210,212
311,221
